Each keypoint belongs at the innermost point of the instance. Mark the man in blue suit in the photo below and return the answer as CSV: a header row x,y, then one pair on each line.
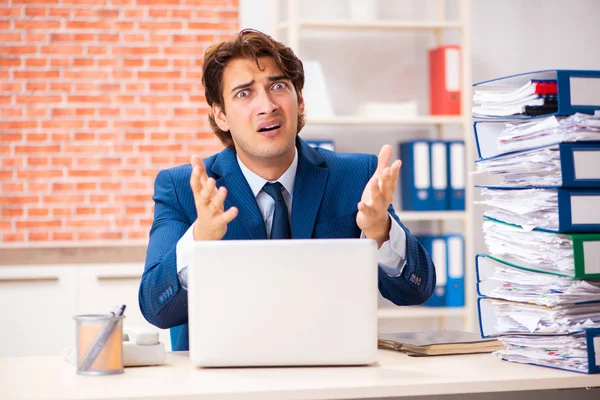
x,y
268,183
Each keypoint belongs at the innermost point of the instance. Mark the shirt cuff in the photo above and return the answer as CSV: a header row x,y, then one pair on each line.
x,y
391,256
183,253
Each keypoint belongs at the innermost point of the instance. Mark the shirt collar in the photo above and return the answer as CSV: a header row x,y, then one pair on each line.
x,y
257,182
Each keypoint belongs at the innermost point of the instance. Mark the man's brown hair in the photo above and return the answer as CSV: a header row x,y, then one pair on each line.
x,y
249,43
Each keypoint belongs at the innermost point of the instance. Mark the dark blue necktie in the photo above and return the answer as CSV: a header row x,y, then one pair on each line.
x,y
280,229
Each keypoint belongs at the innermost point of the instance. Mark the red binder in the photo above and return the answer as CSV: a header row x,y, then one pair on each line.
x,y
444,80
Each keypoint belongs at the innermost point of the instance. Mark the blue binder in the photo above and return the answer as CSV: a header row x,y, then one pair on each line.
x,y
439,174
455,286
456,175
574,94
416,191
579,162
578,210
436,246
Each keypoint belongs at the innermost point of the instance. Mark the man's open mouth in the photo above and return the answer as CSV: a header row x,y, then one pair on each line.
x,y
269,128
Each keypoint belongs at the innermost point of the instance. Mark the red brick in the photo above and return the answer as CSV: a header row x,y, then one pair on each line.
x,y
36,62
87,223
85,186
60,87
158,63
10,62
110,210
85,74
37,137
134,38
10,12
29,199
66,50
11,137
38,224
36,112
7,112
60,62
37,24
13,237
108,38
133,51
62,186
39,236
59,12
62,124
81,112
38,99
134,14
100,50
35,12
88,99
98,25
18,124
12,212
84,136
62,161
36,74
84,37
64,199
38,212
36,86
62,236
37,186
109,112
86,2
13,187
18,50
85,211
158,2
61,112
62,211
83,62
10,37
12,162
37,161
43,174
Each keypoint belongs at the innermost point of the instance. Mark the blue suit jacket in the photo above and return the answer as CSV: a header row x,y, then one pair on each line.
x,y
327,190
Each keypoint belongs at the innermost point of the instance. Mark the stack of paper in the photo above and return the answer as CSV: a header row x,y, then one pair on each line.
x,y
541,225
568,352
533,96
439,342
500,280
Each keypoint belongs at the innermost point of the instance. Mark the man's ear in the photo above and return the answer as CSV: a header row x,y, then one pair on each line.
x,y
220,118
300,103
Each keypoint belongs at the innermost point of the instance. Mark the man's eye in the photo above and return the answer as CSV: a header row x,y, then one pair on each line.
x,y
279,85
242,93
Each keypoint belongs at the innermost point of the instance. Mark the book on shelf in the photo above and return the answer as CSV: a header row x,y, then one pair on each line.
x,y
438,342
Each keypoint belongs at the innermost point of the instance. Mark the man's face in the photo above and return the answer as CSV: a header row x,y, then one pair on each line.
x,y
261,111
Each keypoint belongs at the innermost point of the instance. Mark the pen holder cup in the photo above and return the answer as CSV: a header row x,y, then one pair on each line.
x,y
99,344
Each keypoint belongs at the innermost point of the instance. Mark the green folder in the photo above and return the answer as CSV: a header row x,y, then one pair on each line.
x,y
586,254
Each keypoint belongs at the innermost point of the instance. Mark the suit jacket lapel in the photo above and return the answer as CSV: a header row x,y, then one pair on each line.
x,y
239,194
311,180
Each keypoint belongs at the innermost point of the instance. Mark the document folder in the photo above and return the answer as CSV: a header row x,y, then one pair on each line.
x,y
501,280
576,255
577,90
577,164
444,80
416,189
501,317
577,210
577,352
456,175
439,175
455,286
437,247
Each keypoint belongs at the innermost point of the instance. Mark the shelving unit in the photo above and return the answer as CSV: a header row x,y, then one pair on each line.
x,y
290,31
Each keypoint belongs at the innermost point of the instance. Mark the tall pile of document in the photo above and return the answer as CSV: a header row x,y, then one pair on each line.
x,y
538,139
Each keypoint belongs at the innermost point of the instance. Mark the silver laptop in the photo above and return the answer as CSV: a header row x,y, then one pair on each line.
x,y
283,302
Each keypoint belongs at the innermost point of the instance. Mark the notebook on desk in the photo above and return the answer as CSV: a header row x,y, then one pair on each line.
x,y
283,302
439,342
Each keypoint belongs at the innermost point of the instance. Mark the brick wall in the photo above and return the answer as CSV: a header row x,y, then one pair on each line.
x,y
95,97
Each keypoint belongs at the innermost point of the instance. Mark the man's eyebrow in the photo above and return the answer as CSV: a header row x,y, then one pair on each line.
x,y
278,78
243,86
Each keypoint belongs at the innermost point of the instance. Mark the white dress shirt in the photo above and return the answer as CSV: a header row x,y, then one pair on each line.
x,y
390,256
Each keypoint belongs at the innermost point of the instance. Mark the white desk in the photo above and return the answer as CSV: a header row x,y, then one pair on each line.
x,y
395,375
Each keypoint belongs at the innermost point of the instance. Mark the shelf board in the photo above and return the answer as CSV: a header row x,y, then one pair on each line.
x,y
380,25
431,215
361,120
420,312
